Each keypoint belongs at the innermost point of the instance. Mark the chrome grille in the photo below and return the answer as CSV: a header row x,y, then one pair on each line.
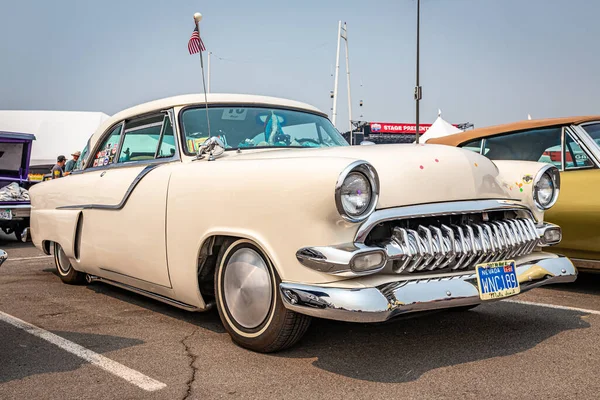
x,y
460,247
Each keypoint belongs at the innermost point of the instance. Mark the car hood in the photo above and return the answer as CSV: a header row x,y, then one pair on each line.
x,y
408,173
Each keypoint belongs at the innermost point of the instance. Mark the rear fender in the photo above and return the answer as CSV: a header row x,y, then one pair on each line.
x,y
55,226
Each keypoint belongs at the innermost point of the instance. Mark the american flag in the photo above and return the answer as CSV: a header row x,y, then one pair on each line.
x,y
195,43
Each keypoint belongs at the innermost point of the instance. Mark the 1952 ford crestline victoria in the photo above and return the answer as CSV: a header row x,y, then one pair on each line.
x,y
259,206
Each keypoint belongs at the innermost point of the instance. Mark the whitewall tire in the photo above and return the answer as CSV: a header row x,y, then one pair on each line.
x,y
248,300
64,269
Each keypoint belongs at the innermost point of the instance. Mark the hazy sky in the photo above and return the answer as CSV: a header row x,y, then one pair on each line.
x,y
482,61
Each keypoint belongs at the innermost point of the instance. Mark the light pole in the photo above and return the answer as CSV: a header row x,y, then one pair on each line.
x,y
418,91
342,34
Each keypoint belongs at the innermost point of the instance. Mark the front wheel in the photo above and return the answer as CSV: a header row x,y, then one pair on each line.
x,y
248,300
64,268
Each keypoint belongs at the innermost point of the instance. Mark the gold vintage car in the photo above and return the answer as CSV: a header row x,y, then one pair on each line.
x,y
571,144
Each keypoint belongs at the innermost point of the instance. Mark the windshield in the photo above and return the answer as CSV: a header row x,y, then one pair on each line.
x,y
258,127
594,131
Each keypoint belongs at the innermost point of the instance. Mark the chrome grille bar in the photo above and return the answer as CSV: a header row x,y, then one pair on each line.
x,y
460,247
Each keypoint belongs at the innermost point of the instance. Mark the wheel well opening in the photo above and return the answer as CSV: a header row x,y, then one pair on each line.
x,y
46,244
207,263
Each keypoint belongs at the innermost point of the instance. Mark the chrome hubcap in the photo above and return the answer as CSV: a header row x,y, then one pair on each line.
x,y
63,261
247,288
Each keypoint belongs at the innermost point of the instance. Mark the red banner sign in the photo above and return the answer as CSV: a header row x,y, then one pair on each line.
x,y
385,127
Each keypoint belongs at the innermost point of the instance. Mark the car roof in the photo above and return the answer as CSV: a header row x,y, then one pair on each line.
x,y
193,99
460,138
17,135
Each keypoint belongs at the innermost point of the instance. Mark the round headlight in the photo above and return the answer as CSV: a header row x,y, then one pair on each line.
x,y
356,191
546,187
356,194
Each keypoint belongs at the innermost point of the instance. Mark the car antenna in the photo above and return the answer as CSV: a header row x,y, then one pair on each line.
x,y
197,19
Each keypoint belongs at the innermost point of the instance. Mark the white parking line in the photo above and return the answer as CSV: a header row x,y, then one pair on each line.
x,y
130,375
531,303
27,258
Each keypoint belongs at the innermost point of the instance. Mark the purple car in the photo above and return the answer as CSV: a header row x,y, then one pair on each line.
x,y
15,207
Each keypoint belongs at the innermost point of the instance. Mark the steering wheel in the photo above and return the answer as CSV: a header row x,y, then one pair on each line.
x,y
304,140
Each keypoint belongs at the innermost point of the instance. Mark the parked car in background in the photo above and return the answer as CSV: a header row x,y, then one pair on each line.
x,y
3,257
259,206
573,146
15,207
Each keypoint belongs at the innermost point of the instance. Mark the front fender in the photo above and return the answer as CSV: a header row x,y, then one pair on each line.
x,y
281,204
517,178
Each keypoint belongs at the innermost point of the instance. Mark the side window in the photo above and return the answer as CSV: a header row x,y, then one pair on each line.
x,y
534,145
474,145
575,156
148,138
166,148
82,158
107,151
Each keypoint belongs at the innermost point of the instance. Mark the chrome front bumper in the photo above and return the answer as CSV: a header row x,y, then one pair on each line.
x,y
380,303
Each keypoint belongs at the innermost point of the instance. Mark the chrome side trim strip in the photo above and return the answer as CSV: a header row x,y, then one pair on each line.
x,y
155,296
436,209
123,201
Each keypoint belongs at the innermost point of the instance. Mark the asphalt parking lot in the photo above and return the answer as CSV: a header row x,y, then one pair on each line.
x,y
499,350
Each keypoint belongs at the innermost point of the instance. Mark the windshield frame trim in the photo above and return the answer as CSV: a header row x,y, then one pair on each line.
x,y
181,132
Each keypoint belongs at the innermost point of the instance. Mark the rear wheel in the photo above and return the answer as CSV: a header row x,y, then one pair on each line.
x,y
64,268
248,300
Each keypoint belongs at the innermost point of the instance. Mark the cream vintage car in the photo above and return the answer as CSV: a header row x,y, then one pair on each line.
x,y
257,205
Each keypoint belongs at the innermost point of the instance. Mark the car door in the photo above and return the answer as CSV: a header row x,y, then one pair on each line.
x,y
577,210
123,201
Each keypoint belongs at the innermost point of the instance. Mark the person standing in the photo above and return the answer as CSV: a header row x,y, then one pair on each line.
x,y
57,170
70,165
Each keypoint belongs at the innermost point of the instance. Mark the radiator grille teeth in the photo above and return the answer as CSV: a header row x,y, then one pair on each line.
x,y
460,247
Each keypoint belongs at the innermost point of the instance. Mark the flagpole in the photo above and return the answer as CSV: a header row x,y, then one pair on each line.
x,y
208,73
197,19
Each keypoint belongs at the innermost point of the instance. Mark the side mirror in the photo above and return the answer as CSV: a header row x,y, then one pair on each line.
x,y
367,143
213,146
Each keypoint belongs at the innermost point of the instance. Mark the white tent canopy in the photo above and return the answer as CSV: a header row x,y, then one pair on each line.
x,y
56,132
439,128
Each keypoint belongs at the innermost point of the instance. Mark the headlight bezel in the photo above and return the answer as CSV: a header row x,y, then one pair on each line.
x,y
369,172
554,175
